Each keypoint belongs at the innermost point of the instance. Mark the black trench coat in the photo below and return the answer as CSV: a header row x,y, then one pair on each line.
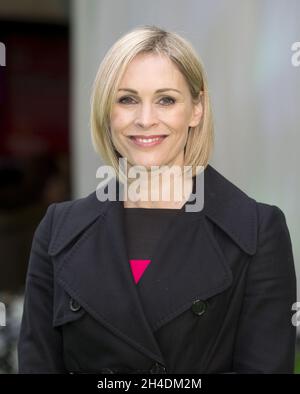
x,y
218,299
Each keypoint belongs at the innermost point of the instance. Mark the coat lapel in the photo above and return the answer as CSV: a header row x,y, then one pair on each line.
x,y
92,263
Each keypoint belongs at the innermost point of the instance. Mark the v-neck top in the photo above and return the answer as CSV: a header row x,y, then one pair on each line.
x,y
143,228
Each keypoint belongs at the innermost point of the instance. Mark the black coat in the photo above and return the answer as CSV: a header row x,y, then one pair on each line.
x,y
217,300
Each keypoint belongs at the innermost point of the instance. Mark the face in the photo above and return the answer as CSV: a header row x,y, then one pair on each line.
x,y
149,127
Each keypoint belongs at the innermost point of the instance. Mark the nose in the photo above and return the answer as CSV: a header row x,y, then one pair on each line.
x,y
146,116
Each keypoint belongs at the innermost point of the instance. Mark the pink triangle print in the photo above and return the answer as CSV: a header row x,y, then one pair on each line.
x,y
138,267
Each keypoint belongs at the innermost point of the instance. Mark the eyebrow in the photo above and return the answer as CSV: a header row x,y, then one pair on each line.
x,y
157,91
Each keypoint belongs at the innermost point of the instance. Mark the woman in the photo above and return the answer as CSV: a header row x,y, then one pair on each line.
x,y
132,285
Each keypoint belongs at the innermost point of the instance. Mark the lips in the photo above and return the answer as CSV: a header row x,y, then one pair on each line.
x,y
148,136
147,141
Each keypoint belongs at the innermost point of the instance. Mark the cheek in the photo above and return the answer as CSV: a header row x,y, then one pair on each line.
x,y
177,120
119,120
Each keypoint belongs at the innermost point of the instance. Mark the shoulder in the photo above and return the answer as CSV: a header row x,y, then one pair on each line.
x,y
233,195
67,219
240,215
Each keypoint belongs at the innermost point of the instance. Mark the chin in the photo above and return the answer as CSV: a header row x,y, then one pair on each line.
x,y
148,164
155,163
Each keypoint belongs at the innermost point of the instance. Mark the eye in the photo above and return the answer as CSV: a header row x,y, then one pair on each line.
x,y
128,100
121,100
170,100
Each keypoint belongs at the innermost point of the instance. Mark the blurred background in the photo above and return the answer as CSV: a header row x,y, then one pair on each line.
x,y
52,51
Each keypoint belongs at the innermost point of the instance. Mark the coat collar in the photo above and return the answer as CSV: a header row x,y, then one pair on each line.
x,y
224,203
91,261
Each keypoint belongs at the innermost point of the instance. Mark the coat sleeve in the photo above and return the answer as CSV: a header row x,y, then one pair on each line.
x,y
40,345
266,338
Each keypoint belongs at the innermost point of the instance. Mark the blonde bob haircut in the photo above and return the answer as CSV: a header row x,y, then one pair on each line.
x,y
150,39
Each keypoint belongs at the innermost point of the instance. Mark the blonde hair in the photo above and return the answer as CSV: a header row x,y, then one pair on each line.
x,y
150,39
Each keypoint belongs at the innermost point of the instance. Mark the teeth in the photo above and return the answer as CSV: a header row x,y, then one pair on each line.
x,y
148,140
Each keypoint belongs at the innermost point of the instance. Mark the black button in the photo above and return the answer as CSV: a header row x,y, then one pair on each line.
x,y
199,307
74,306
158,368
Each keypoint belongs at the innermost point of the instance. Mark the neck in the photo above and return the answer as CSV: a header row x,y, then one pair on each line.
x,y
163,188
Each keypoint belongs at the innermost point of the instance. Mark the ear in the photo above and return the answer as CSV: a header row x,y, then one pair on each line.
x,y
197,111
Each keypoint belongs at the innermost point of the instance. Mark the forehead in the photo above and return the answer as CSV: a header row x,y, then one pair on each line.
x,y
152,69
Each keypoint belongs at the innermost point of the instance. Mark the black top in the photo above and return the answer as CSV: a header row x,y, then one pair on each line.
x,y
144,227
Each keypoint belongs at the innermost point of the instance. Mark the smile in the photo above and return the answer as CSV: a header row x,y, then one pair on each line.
x,y
146,142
